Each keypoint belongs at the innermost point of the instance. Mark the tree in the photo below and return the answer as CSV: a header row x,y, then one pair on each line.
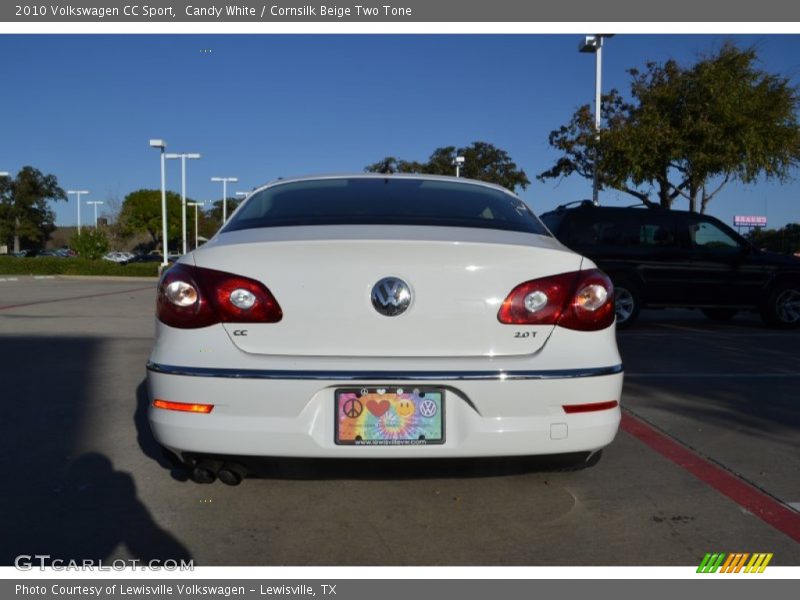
x,y
390,164
686,131
213,216
482,161
141,212
90,243
25,217
785,240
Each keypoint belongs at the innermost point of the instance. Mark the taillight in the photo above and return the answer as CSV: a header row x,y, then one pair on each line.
x,y
191,297
582,300
592,304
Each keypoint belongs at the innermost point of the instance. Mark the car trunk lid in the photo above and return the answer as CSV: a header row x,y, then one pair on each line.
x,y
323,278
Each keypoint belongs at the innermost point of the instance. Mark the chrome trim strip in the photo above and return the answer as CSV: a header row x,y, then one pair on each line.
x,y
383,375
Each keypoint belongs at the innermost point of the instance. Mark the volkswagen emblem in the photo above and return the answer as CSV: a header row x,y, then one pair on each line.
x,y
391,296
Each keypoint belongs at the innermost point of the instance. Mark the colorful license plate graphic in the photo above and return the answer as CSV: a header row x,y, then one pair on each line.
x,y
391,416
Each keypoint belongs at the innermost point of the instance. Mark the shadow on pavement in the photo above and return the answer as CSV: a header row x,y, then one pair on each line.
x,y
53,502
408,469
739,404
715,373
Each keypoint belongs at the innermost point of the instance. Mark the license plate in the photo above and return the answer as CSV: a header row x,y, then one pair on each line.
x,y
390,416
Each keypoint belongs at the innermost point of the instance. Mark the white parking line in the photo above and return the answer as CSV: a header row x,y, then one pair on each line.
x,y
44,276
700,332
714,375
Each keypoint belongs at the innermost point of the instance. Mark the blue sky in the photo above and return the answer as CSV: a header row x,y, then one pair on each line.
x,y
262,106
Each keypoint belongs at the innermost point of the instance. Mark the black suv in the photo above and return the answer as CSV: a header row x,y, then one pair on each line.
x,y
671,258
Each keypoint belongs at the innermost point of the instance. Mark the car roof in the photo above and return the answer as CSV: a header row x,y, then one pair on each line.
x,y
587,205
418,176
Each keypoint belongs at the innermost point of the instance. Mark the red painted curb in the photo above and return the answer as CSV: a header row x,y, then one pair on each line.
x,y
745,495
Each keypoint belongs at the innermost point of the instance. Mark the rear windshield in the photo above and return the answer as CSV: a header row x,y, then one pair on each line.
x,y
376,201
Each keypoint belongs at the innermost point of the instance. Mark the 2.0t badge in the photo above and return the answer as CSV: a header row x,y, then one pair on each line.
x,y
391,296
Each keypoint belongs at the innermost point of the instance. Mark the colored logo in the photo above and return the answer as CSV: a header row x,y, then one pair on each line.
x,y
405,408
427,408
352,408
735,563
378,408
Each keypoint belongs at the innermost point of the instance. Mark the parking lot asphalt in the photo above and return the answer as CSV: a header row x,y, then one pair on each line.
x,y
85,479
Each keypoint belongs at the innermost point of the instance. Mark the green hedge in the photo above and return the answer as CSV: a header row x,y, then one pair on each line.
x,y
50,265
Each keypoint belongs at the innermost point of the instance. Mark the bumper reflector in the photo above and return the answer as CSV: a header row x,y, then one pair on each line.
x,y
183,406
582,408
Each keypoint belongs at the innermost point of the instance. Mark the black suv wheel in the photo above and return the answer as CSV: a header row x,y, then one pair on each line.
x,y
627,303
781,307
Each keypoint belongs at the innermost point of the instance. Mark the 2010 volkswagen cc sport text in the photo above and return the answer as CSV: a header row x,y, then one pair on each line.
x,y
382,316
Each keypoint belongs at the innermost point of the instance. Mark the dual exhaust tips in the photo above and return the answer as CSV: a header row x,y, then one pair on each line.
x,y
208,470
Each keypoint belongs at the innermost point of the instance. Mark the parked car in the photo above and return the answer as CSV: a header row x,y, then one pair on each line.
x,y
670,258
377,316
119,257
152,257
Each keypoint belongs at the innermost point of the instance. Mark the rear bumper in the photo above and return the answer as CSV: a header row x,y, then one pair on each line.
x,y
292,413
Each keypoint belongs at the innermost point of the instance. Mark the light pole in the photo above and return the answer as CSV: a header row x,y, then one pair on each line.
x,y
195,204
183,156
161,145
78,194
95,203
242,195
225,181
458,162
7,174
593,44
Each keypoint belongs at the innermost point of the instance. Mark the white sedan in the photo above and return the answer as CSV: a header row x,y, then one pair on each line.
x,y
382,316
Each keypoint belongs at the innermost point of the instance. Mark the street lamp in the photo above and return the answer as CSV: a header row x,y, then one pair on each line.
x,y
78,194
195,204
593,44
458,162
95,203
225,181
161,145
242,195
183,156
